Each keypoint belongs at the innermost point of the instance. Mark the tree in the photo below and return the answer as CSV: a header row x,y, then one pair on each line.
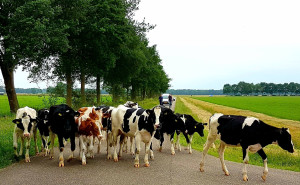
x,y
28,32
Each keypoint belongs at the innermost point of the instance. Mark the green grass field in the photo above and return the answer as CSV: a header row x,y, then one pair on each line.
x,y
7,126
286,107
277,158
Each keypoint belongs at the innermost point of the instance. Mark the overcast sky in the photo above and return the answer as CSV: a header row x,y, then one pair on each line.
x,y
205,44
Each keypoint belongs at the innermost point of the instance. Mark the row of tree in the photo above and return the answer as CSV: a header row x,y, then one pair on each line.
x,y
92,41
263,88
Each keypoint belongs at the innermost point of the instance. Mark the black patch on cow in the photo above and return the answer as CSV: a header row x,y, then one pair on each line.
x,y
134,119
147,122
140,112
126,119
43,127
230,128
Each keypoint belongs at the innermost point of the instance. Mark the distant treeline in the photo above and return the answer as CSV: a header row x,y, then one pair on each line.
x,y
194,92
263,88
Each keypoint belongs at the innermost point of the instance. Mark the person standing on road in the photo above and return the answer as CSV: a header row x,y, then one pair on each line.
x,y
170,99
160,99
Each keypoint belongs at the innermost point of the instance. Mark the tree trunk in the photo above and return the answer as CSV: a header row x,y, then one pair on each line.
x,y
98,90
8,76
82,80
69,88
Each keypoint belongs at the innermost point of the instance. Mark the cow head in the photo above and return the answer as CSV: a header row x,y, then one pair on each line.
x,y
25,123
153,115
285,140
199,127
131,104
67,118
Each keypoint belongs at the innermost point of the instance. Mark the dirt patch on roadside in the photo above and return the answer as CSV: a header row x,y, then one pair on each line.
x,y
204,110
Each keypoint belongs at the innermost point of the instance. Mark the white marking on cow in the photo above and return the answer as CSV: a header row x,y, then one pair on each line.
x,y
249,121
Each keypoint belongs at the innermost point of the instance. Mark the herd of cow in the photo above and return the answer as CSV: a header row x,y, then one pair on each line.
x,y
131,122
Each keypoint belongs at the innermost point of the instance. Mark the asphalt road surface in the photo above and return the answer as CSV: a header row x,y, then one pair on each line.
x,y
182,168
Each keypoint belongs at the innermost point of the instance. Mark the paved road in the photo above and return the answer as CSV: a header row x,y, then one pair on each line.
x,y
183,168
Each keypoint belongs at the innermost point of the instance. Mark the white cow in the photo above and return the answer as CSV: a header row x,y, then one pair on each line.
x,y
25,128
138,123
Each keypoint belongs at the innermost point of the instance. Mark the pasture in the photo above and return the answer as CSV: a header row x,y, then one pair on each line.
x,y
286,107
277,158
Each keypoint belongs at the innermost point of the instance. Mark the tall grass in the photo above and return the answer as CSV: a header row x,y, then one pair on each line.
x,y
286,107
277,157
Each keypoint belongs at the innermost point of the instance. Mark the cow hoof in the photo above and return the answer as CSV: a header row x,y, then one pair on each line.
x,y
116,159
175,147
245,178
147,165
264,177
83,163
173,153
136,165
190,152
160,149
27,160
61,164
227,173
201,170
152,157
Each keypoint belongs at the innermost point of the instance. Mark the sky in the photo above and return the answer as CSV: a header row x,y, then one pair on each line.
x,y
206,44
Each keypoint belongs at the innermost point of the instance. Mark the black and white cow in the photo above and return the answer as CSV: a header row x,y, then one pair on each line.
x,y
138,123
191,126
169,123
25,128
250,133
106,123
131,104
62,123
43,126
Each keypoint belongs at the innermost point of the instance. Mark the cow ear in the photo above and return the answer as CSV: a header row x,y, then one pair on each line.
x,y
17,121
77,114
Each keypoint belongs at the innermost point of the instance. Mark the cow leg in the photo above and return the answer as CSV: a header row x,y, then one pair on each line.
x,y
61,149
151,152
35,140
122,143
21,146
172,144
115,143
82,149
245,161
221,155
72,141
43,145
46,147
15,141
99,145
161,141
137,151
90,148
109,145
187,140
27,159
132,146
190,144
147,150
177,144
210,139
264,158
125,146
52,137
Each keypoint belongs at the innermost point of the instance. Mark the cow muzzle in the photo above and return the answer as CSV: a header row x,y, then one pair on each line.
x,y
156,125
26,135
